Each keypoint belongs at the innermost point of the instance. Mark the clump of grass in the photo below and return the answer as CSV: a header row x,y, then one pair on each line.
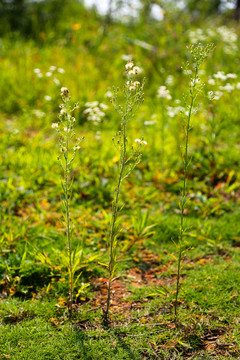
x,y
68,147
199,54
129,156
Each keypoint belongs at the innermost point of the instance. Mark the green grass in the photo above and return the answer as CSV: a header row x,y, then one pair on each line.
x,y
33,258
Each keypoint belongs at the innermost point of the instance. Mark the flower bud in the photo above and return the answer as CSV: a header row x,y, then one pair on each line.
x,y
64,92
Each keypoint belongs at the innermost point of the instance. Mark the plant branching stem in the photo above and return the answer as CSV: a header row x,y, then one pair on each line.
x,y
68,224
184,192
115,206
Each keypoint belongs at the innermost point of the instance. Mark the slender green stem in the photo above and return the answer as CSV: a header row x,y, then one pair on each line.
x,y
162,134
134,96
65,128
68,228
114,219
184,191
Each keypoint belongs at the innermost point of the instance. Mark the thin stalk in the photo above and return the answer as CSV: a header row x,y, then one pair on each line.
x,y
184,191
134,96
114,219
65,128
68,229
162,134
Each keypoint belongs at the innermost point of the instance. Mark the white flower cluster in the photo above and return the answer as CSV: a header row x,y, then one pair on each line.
x,y
140,142
174,110
51,73
95,111
149,122
228,87
226,34
214,95
195,82
131,71
222,76
39,113
230,38
197,35
108,94
217,80
170,80
163,93
152,121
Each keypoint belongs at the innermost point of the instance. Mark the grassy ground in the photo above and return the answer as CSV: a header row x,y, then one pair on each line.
x,y
33,268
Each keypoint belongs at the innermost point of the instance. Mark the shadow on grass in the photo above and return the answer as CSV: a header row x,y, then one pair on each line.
x,y
117,336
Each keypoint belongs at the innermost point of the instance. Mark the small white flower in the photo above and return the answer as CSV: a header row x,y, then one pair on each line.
x,y
91,104
163,93
56,81
141,142
136,70
55,125
40,75
65,129
231,76
170,80
132,88
39,113
129,65
195,81
47,98
103,106
218,95
63,111
108,94
210,95
149,122
37,71
173,111
131,72
228,87
187,72
61,71
136,83
64,91
52,68
63,149
220,75
48,74
94,111
211,81
238,86
76,148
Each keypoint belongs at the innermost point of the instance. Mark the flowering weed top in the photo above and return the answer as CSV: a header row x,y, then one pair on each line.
x,y
68,147
65,128
129,157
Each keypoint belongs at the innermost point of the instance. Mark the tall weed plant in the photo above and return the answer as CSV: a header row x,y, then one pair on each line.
x,y
129,157
198,53
68,147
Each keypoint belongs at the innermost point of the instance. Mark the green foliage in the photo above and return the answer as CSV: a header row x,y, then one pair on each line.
x,y
33,255
33,18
